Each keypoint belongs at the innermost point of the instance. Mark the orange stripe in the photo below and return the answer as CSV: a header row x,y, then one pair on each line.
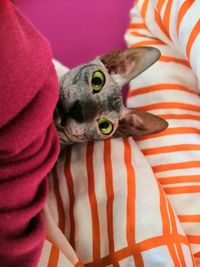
x,y
138,34
136,25
110,196
171,131
170,149
173,254
60,207
160,241
164,212
142,246
171,105
192,38
54,256
194,259
178,245
194,239
176,166
146,43
179,179
79,264
182,190
144,9
166,18
138,260
180,117
160,4
165,216
181,255
93,202
160,87
189,218
175,60
183,10
70,186
135,2
130,228
197,256
159,23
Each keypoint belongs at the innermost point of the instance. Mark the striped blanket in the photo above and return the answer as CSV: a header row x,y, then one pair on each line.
x,y
125,202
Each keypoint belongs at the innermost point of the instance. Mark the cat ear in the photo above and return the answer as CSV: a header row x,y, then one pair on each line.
x,y
135,122
127,64
60,68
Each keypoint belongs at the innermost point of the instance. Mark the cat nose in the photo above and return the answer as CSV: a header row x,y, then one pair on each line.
x,y
83,111
75,112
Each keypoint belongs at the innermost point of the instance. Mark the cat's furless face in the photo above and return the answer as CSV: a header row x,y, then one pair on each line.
x,y
90,105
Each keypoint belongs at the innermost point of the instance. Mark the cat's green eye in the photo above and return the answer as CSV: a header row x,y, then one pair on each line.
x,y
105,126
98,81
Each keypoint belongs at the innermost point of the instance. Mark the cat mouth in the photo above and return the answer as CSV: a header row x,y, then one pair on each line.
x,y
68,138
61,119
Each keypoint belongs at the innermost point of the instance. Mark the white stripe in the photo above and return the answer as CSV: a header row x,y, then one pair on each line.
x,y
195,248
127,262
101,195
194,55
174,157
152,25
140,4
187,25
173,21
169,140
64,191
177,254
135,14
168,213
157,257
190,184
120,193
191,228
182,203
147,198
82,210
178,224
166,75
180,172
46,250
173,111
187,255
63,261
165,96
184,123
52,201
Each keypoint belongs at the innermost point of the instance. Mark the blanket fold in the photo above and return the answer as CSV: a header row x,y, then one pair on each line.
x,y
29,144
126,203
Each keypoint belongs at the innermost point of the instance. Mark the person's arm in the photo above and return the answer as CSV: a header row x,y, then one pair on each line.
x,y
28,142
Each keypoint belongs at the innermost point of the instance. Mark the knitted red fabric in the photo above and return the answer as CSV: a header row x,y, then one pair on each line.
x,y
28,142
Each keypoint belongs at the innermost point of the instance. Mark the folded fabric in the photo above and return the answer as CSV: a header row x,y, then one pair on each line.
x,y
170,89
28,141
126,203
105,199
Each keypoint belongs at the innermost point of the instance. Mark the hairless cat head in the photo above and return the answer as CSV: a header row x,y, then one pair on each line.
x,y
90,105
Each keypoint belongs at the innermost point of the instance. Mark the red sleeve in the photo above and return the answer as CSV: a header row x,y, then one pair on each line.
x,y
28,142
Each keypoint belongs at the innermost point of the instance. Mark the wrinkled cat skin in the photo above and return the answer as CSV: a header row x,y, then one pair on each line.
x,y
90,105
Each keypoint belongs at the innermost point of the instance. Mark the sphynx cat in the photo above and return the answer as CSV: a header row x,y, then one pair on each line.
x,y
90,105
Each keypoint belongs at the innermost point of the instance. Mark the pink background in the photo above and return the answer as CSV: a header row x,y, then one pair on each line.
x,y
79,30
